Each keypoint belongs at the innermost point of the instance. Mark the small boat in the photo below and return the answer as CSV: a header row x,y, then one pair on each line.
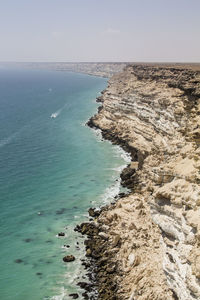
x,y
53,116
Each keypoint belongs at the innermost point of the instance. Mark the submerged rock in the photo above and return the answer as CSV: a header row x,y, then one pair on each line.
x,y
28,240
60,211
19,260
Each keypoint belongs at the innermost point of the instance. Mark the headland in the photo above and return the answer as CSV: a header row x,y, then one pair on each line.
x,y
145,245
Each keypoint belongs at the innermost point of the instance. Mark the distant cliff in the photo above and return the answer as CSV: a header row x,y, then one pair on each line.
x,y
152,236
91,68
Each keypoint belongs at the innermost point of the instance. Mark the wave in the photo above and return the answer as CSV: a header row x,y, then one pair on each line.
x,y
119,151
111,192
10,138
62,295
75,271
117,169
106,197
123,154
6,141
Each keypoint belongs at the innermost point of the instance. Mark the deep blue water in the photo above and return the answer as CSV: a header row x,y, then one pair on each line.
x,y
51,171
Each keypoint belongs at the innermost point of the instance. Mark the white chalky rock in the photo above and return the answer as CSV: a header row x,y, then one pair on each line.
x,y
131,259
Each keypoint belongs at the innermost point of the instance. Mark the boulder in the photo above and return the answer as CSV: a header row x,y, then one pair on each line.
x,y
74,295
68,258
116,240
61,234
104,235
93,212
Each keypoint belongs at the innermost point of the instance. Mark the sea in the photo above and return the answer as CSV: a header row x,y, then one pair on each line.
x,y
53,168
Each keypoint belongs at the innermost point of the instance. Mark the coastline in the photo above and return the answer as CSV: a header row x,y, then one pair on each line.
x,y
49,231
103,239
138,253
96,241
98,69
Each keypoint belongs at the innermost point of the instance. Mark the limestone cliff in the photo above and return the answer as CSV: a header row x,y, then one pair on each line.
x,y
100,69
154,112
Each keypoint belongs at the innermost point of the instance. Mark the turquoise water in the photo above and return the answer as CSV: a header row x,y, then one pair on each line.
x,y
51,171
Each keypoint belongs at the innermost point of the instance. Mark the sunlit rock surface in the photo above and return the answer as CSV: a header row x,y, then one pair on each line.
x,y
154,111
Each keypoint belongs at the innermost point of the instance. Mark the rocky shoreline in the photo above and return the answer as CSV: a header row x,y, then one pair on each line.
x,y
145,245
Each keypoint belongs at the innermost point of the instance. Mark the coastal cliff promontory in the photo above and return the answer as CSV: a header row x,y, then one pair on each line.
x,y
149,239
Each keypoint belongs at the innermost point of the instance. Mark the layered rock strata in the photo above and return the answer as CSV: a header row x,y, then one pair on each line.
x,y
149,240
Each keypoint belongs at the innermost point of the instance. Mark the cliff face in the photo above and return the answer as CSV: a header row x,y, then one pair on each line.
x,y
154,112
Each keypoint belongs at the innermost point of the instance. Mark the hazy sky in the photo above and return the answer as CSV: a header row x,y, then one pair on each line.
x,y
100,30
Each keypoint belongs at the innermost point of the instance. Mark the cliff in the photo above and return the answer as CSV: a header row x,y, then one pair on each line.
x,y
149,239
101,69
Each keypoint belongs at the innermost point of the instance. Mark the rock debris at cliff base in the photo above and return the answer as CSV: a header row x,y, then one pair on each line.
x,y
149,240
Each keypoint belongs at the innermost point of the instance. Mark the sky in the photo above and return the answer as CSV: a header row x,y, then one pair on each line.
x,y
100,30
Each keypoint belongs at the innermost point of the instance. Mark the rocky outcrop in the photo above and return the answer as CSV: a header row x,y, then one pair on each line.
x,y
154,232
68,258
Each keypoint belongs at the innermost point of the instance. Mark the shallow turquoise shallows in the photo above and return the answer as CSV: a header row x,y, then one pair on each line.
x,y
52,169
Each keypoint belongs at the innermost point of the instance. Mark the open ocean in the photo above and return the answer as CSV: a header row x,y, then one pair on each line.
x,y
51,171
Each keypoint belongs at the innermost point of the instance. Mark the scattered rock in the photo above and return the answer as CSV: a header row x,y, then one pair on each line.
x,y
61,234
85,295
116,240
104,235
88,252
93,212
137,261
85,285
131,259
68,258
74,296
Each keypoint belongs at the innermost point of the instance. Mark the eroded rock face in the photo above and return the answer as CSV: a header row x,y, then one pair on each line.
x,y
154,113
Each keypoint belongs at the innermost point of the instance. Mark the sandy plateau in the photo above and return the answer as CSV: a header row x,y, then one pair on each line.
x,y
147,244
